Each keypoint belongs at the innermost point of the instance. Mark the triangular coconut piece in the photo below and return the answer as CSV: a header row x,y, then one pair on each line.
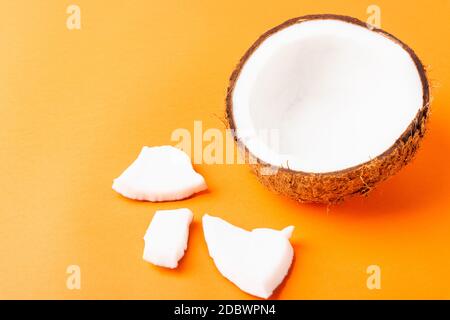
x,y
256,261
159,174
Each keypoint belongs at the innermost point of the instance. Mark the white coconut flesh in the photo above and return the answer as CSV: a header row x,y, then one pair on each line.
x,y
167,237
325,95
256,261
161,173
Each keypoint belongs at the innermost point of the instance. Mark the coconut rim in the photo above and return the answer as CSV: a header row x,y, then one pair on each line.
x,y
421,114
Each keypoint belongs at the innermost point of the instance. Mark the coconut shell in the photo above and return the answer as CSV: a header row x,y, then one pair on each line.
x,y
332,187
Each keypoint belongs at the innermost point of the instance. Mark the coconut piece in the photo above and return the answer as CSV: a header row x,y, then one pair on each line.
x,y
349,104
256,261
159,174
167,236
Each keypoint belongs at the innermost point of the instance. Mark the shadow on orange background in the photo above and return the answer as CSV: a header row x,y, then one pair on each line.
x,y
422,183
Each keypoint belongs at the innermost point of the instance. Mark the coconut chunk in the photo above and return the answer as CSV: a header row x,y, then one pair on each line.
x,y
159,174
256,261
167,236
345,104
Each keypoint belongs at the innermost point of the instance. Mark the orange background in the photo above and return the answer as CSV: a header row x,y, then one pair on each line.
x,y
77,106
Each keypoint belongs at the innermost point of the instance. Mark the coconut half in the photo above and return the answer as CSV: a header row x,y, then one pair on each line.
x,y
344,106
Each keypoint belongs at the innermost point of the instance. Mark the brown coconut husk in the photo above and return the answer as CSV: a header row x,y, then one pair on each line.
x,y
332,187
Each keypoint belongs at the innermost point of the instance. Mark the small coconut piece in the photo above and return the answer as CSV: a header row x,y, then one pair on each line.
x,y
159,174
167,237
256,261
348,104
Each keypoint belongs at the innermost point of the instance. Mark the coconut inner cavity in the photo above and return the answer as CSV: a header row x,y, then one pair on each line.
x,y
325,95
